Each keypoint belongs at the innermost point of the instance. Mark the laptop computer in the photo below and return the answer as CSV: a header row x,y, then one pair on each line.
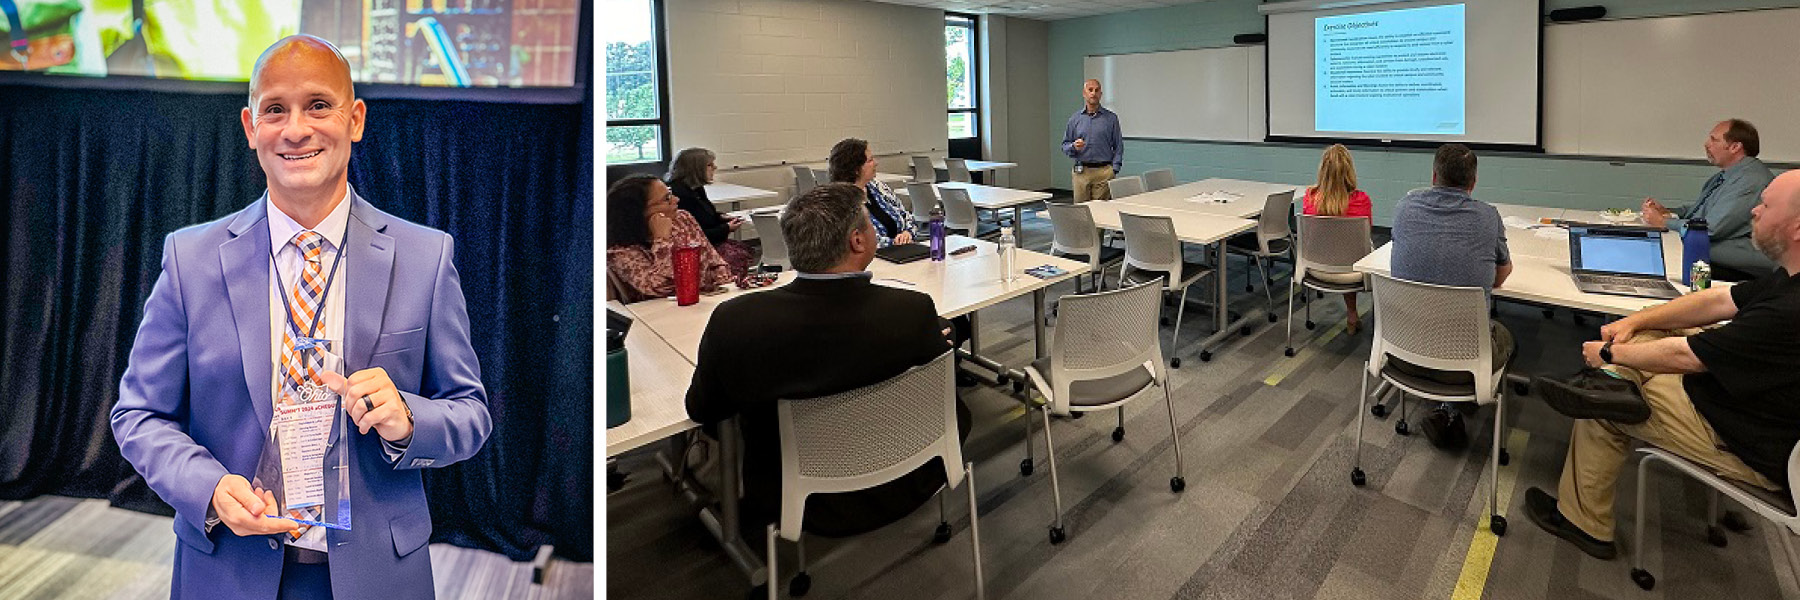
x,y
1622,261
903,253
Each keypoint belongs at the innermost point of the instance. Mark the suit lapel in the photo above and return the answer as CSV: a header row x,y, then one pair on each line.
x,y
370,269
244,260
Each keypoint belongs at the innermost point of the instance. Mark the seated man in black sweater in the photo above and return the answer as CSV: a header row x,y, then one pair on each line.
x,y
830,331
1727,398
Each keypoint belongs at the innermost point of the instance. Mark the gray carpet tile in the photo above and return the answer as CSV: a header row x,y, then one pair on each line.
x,y
1269,511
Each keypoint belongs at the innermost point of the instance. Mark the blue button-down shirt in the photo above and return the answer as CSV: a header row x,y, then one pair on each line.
x,y
1100,129
1725,202
1444,237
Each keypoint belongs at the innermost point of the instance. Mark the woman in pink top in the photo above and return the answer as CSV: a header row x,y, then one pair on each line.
x,y
1336,195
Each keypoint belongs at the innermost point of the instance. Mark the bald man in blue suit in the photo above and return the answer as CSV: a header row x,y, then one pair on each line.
x,y
197,398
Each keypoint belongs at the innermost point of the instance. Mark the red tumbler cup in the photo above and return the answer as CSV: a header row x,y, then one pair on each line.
x,y
687,275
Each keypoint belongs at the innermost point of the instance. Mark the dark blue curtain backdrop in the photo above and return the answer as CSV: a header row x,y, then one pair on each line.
x,y
93,180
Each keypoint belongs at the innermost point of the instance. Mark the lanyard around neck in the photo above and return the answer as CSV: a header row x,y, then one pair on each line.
x,y
312,328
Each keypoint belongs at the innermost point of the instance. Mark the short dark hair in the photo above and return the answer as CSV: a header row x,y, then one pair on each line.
x,y
625,200
818,226
689,168
1742,132
1454,166
847,158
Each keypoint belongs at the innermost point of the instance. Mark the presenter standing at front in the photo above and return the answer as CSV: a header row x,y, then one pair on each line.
x,y
1094,140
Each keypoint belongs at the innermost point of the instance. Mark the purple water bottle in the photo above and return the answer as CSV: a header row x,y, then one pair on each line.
x,y
1696,245
937,234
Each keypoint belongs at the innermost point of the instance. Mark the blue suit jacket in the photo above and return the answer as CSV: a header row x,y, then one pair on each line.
x,y
195,404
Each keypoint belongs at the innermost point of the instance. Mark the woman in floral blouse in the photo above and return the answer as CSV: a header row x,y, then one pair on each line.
x,y
643,227
853,162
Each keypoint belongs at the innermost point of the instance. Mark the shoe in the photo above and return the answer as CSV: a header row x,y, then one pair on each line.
x,y
1540,507
1444,427
1594,394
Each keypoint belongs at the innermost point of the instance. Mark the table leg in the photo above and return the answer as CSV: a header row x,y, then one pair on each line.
x,y
1019,220
723,523
1037,324
1220,294
975,333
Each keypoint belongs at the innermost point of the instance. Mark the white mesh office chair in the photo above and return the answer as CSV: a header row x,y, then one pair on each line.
x,y
1435,327
1120,187
1271,239
958,170
923,197
922,170
804,181
1159,179
866,437
774,244
1151,251
1104,354
960,215
1075,236
1327,245
1777,507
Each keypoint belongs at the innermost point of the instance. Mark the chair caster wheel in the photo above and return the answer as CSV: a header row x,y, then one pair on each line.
x,y
1402,429
799,585
615,480
1521,388
1716,536
1273,318
1505,457
1057,536
1244,331
1018,387
1380,411
1118,434
1497,524
1076,416
1174,363
1288,352
1311,325
1734,521
1643,579
1357,478
1250,288
942,535
1177,483
1206,356
1025,467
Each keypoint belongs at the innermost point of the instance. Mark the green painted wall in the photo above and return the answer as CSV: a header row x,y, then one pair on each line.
x,y
1385,174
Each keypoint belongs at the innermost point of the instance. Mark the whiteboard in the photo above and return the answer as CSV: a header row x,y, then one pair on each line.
x,y
1213,94
1656,86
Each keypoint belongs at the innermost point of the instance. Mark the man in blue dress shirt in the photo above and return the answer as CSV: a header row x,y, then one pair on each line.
x,y
1725,202
1094,140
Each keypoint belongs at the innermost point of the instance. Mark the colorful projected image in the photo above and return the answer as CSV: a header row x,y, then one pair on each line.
x,y
455,43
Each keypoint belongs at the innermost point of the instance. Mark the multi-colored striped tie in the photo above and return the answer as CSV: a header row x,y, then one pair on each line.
x,y
302,366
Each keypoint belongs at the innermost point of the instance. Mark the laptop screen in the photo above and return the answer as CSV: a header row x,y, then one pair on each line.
x,y
1638,252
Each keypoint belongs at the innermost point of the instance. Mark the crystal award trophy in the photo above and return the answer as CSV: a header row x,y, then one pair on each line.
x,y
305,463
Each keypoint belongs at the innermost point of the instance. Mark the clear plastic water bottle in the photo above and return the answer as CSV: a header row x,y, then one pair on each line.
x,y
937,234
1009,255
1696,245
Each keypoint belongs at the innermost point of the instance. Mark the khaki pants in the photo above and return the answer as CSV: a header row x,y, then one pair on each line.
x,y
1090,184
1598,449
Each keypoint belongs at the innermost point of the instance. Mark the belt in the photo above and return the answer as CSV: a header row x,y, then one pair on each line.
x,y
1096,165
304,556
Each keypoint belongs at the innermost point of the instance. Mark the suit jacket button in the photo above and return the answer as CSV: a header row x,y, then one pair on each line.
x,y
273,545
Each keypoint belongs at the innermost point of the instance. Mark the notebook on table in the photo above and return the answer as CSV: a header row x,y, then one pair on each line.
x,y
903,253
1622,261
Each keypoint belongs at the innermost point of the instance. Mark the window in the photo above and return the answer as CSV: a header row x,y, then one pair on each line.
x,y
960,69
636,107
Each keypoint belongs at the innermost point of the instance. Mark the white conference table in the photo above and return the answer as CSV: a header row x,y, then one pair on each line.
x,y
1541,272
1242,199
975,166
960,285
1194,228
735,195
988,197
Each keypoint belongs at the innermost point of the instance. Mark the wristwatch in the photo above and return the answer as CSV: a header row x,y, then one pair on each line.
x,y
1606,352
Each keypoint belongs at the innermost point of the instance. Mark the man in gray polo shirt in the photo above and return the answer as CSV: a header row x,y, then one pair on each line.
x,y
1443,236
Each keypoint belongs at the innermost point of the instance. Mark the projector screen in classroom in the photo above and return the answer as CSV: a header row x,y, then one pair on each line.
x,y
1415,71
